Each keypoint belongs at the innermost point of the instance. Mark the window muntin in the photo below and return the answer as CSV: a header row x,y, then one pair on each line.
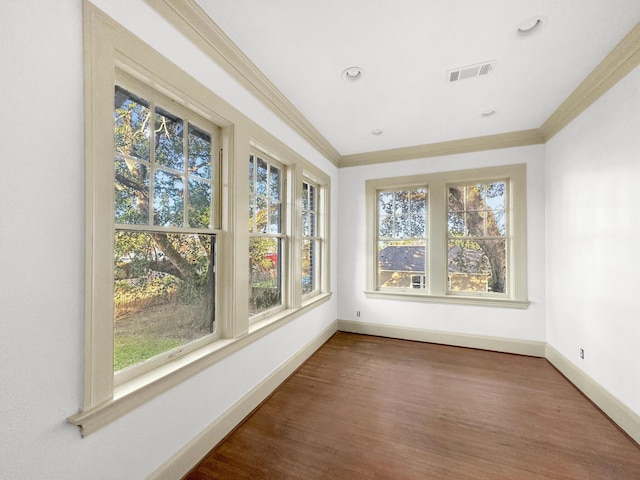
x,y
477,243
266,234
401,237
311,239
114,57
164,244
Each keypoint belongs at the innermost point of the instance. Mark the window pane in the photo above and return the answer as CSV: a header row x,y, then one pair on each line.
x,y
385,203
496,195
274,219
496,223
261,215
199,203
456,224
199,153
477,266
163,293
251,176
397,263
132,127
476,223
169,132
312,198
475,197
417,227
131,192
305,196
401,202
264,274
168,204
456,199
386,227
312,224
309,262
419,202
274,183
261,181
402,226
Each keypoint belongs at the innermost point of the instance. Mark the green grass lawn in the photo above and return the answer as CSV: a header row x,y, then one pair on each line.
x,y
132,349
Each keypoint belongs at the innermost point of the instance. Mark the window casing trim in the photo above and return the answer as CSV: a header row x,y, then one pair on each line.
x,y
259,152
316,239
143,388
436,255
110,48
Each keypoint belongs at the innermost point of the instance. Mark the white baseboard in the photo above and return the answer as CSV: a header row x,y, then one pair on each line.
x,y
622,415
617,411
187,457
496,344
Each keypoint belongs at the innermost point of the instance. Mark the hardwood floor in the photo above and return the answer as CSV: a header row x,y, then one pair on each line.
x,y
375,408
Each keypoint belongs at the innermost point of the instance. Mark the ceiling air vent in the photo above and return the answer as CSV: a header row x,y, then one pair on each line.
x,y
471,71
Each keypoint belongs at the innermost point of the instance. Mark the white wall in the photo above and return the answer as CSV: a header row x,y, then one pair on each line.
x,y
593,257
42,259
509,323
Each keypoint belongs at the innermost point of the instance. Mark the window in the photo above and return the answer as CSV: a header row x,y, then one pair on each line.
x,y
310,239
266,237
477,241
166,227
402,237
454,237
164,238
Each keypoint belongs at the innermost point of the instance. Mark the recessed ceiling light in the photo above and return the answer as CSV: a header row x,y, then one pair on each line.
x,y
352,74
529,25
376,133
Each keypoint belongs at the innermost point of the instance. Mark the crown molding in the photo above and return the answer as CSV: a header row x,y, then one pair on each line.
x,y
191,20
616,65
464,145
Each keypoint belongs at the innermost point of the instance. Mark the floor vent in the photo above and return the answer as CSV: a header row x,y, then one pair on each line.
x,y
471,71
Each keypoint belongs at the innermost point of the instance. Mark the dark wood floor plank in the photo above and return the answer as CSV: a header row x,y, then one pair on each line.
x,y
373,408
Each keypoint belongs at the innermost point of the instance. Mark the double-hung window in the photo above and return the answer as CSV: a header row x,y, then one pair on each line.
x,y
166,227
402,238
311,239
477,241
267,240
457,237
165,183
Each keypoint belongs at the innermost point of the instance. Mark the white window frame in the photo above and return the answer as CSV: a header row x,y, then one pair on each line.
x,y
437,227
317,239
110,52
283,235
311,174
156,99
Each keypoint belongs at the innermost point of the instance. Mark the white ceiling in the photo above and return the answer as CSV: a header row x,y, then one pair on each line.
x,y
405,48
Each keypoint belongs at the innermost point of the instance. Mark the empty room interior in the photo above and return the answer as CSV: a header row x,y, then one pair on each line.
x,y
215,213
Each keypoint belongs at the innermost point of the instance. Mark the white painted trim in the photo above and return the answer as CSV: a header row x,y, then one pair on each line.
x,y
496,344
190,19
192,453
617,411
188,456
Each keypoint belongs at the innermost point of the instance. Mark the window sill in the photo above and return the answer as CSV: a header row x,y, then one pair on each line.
x,y
136,392
450,299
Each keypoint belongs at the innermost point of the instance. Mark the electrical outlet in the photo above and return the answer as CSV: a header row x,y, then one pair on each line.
x,y
358,313
582,353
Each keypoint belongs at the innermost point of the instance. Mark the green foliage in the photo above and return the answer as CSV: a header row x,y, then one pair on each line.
x,y
131,350
131,295
268,298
